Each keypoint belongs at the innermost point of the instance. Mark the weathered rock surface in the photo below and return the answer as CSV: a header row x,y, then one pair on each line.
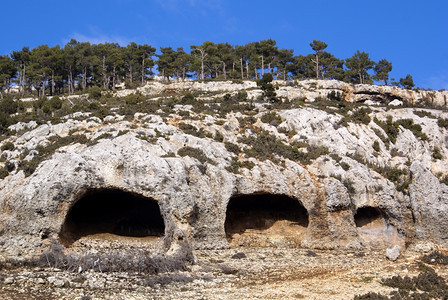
x,y
140,156
308,90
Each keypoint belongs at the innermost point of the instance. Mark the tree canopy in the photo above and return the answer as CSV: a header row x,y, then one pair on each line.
x,y
78,65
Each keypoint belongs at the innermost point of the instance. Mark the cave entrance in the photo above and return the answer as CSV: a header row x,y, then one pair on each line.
x,y
112,214
375,230
260,220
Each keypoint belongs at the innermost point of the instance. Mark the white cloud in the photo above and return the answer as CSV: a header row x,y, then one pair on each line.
x,y
96,36
199,5
437,82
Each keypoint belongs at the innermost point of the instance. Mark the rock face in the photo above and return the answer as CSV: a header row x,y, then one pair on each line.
x,y
308,90
354,195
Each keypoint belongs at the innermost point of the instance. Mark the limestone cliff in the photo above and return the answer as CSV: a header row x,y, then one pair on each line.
x,y
369,176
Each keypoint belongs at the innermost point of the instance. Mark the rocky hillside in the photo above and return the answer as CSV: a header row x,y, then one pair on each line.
x,y
333,166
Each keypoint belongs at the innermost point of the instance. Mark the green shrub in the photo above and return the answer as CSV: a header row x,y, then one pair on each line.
x,y
371,296
435,258
444,179
344,166
242,96
443,123
389,127
95,93
8,105
190,129
360,115
348,183
376,146
271,118
188,98
133,99
195,153
236,165
231,147
5,121
267,88
267,146
436,153
424,113
45,152
383,138
335,157
415,128
218,137
3,173
7,146
335,96
55,103
433,285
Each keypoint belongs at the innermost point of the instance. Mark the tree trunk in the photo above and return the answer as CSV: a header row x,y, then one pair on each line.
x,y
52,83
202,63
143,71
284,75
262,65
242,70
317,66
22,80
247,69
84,78
114,78
224,70
8,84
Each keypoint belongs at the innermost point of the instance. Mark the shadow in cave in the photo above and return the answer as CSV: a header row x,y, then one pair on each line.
x,y
261,212
115,212
369,217
374,229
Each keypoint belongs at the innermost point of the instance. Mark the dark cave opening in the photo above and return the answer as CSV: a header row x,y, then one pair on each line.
x,y
369,217
375,229
113,211
261,212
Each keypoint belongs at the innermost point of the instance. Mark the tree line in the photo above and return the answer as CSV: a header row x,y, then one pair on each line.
x,y
81,65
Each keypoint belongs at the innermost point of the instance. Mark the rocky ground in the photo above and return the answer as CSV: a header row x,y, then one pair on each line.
x,y
238,273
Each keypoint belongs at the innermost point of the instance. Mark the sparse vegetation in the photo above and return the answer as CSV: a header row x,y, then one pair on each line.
x,y
426,285
376,146
442,123
416,129
266,146
437,153
348,183
190,129
194,153
44,152
134,260
392,128
231,147
435,258
3,173
271,118
8,146
424,113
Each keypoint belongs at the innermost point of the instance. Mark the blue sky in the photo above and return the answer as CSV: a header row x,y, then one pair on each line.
x,y
411,34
